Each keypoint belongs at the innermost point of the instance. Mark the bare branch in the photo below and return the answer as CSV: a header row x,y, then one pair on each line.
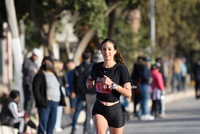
x,y
113,7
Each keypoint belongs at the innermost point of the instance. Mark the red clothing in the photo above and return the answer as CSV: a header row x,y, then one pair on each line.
x,y
157,80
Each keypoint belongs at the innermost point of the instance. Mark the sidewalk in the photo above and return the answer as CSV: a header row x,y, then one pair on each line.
x,y
67,121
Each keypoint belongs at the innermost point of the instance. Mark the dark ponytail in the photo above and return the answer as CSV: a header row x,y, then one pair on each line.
x,y
118,56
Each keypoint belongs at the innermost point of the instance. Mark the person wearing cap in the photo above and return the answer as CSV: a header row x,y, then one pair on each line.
x,y
48,95
29,69
144,88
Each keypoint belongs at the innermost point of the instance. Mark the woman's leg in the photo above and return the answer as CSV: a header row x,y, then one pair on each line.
x,y
52,116
153,111
59,117
100,124
116,130
157,108
141,89
43,119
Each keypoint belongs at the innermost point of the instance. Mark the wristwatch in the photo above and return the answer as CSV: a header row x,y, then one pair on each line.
x,y
113,86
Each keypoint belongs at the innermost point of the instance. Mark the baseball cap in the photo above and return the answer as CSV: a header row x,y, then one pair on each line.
x,y
156,65
36,51
147,59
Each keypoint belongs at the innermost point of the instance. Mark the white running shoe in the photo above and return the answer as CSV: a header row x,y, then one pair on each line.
x,y
147,117
58,129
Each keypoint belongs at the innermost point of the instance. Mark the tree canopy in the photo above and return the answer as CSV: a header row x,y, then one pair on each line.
x,y
177,24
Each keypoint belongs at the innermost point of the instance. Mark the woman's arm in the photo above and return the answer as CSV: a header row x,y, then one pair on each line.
x,y
90,82
125,90
14,110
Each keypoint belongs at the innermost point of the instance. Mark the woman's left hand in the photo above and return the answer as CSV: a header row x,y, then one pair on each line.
x,y
107,80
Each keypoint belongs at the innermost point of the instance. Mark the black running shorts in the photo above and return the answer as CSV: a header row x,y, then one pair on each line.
x,y
113,114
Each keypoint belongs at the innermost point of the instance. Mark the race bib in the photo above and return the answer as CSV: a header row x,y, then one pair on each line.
x,y
102,87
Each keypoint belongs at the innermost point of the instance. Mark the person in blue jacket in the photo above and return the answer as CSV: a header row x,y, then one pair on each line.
x,y
144,88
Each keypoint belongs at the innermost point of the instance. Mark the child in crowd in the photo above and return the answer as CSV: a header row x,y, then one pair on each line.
x,y
12,116
157,89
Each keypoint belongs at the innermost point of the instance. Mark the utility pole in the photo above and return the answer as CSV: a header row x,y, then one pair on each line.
x,y
152,23
16,46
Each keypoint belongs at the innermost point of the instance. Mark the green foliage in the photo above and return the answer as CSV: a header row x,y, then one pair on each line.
x,y
92,15
32,36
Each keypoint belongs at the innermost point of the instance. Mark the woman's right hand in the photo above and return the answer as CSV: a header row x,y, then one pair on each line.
x,y
89,82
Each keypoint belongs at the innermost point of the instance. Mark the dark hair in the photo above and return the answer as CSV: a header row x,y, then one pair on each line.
x,y
86,55
48,58
14,94
68,61
5,98
118,56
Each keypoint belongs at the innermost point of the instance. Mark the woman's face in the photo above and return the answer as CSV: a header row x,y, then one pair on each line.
x,y
47,65
108,51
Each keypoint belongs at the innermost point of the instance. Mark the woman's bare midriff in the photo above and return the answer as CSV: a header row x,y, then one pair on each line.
x,y
108,103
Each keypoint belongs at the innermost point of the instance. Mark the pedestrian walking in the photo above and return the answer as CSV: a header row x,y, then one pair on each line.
x,y
48,95
111,79
29,69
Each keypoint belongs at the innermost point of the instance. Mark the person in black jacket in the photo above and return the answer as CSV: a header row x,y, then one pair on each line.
x,y
90,94
196,73
135,77
48,95
12,116
77,91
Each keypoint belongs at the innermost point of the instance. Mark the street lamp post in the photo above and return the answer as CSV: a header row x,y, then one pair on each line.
x,y
152,23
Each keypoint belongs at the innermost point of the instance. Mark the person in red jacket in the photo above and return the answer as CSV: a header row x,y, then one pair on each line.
x,y
157,89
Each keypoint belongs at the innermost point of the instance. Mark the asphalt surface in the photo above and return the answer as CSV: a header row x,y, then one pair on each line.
x,y
182,117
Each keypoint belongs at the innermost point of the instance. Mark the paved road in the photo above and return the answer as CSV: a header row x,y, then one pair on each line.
x,y
183,117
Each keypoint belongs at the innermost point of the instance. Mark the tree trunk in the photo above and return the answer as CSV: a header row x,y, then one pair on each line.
x,y
82,45
16,46
111,29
